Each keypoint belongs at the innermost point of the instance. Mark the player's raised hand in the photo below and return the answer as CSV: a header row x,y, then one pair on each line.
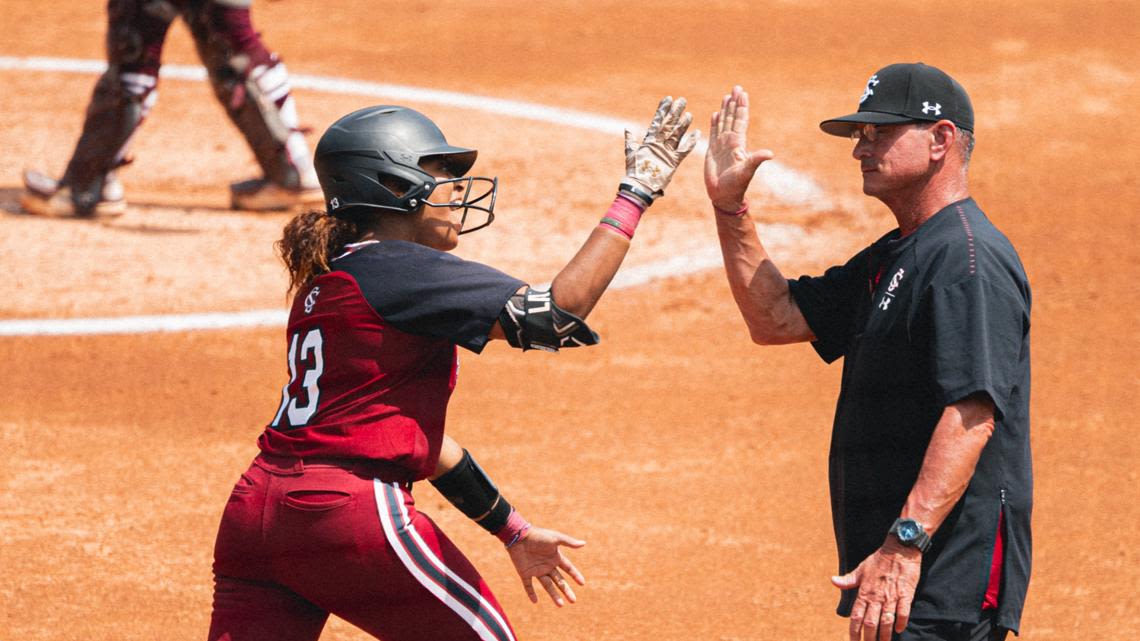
x,y
651,162
729,166
538,556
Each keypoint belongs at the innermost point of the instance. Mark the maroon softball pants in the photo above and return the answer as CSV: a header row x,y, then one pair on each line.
x,y
299,541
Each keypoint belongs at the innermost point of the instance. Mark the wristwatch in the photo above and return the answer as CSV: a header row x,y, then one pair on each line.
x,y
911,533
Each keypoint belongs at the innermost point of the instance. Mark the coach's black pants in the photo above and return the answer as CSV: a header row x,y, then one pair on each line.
x,y
984,630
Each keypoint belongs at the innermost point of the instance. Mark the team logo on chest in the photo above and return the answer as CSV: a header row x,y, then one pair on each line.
x,y
311,299
890,293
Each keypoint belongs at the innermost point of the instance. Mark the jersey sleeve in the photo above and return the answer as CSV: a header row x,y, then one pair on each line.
x,y
976,332
829,304
426,292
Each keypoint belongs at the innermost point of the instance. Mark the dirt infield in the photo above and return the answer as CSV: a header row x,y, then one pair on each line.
x,y
701,490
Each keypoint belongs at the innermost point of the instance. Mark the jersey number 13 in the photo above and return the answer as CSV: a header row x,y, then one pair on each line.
x,y
309,360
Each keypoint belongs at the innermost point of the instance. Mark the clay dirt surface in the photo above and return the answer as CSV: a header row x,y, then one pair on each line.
x,y
693,462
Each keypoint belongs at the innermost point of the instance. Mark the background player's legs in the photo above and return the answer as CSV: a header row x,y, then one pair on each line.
x,y
122,98
253,86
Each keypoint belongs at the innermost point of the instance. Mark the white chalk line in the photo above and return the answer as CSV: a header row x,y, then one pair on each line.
x,y
781,182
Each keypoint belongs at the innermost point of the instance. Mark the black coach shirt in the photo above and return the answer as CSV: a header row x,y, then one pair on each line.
x,y
923,322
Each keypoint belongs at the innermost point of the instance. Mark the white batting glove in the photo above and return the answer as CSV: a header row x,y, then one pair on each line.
x,y
650,164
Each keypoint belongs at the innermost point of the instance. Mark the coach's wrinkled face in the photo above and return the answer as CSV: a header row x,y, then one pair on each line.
x,y
895,157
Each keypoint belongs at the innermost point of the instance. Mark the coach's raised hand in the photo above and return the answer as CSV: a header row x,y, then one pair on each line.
x,y
729,166
651,162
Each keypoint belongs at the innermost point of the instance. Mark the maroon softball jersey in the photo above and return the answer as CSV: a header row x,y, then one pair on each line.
x,y
372,353
323,521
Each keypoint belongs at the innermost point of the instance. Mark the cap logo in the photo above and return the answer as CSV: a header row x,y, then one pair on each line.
x,y
334,203
928,108
868,92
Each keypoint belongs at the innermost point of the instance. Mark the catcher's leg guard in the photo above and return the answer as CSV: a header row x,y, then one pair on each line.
x,y
253,85
122,99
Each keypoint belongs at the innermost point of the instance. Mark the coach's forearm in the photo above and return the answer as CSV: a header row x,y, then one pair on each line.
x,y
760,290
580,284
955,446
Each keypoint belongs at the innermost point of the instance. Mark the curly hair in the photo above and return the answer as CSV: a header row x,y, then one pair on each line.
x,y
309,241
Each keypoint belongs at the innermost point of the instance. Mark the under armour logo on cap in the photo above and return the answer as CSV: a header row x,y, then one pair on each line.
x,y
907,92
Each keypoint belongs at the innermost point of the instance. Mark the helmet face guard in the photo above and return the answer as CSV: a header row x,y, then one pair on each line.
x,y
471,200
363,153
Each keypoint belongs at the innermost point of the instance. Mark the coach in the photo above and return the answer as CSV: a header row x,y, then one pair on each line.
x,y
930,468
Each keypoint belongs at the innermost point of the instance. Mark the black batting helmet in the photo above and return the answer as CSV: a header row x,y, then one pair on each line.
x,y
360,154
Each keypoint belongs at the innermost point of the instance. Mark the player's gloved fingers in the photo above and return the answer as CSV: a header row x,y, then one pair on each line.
x,y
673,119
658,118
679,130
630,148
551,589
688,143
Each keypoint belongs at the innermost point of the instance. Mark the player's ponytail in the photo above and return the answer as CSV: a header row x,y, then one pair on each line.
x,y
309,242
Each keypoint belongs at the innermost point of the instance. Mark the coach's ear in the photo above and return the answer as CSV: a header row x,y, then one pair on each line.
x,y
942,137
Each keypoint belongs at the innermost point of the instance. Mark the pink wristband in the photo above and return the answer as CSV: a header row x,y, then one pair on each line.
x,y
739,212
515,529
623,215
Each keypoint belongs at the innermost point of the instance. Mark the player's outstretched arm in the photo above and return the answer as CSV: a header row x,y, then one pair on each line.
x,y
554,318
650,162
760,290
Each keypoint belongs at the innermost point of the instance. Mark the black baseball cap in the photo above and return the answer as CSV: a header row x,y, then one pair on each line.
x,y
907,92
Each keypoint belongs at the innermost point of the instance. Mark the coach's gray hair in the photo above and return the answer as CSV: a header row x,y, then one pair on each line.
x,y
967,143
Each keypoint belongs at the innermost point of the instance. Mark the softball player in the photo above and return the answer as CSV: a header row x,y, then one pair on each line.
x,y
323,521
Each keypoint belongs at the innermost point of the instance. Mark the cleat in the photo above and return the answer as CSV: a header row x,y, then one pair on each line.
x,y
43,196
262,195
39,183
